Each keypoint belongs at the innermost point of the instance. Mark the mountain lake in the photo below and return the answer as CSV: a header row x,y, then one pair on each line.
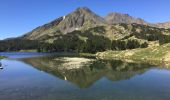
x,y
43,76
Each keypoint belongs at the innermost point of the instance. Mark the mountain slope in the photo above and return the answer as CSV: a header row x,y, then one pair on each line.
x,y
81,18
114,18
163,25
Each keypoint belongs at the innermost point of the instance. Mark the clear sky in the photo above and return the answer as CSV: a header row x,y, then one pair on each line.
x,y
20,16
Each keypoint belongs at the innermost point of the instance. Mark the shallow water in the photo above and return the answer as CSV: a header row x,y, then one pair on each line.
x,y
27,77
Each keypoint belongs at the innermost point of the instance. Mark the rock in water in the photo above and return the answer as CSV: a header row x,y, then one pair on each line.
x,y
1,66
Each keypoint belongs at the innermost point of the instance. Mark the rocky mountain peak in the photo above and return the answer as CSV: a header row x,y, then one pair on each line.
x,y
81,18
113,18
83,9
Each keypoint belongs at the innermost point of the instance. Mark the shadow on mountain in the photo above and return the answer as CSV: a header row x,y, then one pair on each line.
x,y
87,75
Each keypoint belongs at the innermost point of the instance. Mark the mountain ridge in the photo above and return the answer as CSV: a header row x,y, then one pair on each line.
x,y
83,18
116,18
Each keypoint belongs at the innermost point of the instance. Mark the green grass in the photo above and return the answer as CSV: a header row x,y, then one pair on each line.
x,y
154,55
33,50
89,55
82,38
2,57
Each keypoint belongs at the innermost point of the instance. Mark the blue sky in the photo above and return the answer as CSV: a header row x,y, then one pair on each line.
x,y
20,16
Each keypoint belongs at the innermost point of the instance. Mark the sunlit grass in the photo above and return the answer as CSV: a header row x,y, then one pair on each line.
x,y
158,53
1,57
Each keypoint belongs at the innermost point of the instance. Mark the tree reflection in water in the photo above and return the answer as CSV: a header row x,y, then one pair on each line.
x,y
87,75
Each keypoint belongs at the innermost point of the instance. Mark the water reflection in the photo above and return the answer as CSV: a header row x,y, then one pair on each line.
x,y
87,75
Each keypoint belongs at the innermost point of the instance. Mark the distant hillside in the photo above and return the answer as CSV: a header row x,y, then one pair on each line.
x,y
114,18
163,25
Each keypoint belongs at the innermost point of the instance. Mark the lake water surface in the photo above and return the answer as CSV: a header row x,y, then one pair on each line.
x,y
37,76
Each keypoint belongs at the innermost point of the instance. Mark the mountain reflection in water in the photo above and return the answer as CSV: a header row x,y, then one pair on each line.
x,y
87,75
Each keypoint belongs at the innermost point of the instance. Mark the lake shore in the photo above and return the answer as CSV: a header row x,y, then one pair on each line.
x,y
158,55
2,57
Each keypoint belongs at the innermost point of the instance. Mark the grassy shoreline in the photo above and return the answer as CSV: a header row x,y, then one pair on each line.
x,y
155,55
33,50
88,55
159,55
2,57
